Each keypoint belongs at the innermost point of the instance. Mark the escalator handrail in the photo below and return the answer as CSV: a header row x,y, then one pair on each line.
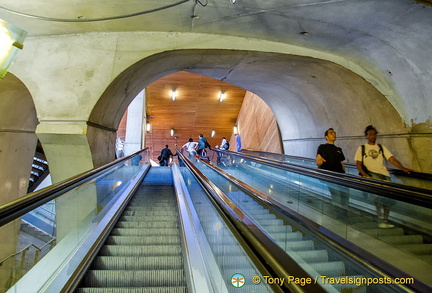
x,y
16,208
398,172
366,258
276,260
409,194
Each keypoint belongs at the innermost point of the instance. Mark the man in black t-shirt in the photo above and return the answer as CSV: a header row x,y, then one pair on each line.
x,y
330,157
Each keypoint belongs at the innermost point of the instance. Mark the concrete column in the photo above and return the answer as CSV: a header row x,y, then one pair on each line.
x,y
135,124
68,153
66,148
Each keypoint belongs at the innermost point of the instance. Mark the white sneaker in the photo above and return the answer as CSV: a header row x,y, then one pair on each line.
x,y
385,225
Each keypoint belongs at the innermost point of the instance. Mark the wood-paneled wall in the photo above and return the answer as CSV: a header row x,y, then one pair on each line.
x,y
257,126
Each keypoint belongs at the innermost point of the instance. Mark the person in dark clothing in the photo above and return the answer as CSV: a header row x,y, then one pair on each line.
x,y
165,156
330,157
202,144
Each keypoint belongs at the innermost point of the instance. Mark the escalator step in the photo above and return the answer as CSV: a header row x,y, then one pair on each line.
x,y
417,248
313,255
298,245
148,250
151,239
290,236
384,232
145,219
334,268
140,231
129,223
403,239
133,263
134,290
134,278
142,213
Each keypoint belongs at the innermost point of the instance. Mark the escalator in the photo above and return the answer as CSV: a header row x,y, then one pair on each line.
x,y
136,237
214,236
144,248
416,179
407,246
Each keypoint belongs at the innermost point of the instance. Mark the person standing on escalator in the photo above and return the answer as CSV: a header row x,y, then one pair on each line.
x,y
165,156
370,159
330,157
202,145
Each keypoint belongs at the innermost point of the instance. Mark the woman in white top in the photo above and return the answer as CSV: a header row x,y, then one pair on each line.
x,y
191,146
224,144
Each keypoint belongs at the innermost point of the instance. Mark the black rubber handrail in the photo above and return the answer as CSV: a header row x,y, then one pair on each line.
x,y
16,208
368,259
409,194
397,172
272,256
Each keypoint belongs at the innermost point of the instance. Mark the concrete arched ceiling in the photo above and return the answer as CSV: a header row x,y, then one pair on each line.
x,y
17,110
306,95
388,39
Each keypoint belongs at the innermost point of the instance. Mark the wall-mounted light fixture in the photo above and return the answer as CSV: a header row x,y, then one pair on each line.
x,y
235,130
213,133
172,131
222,96
11,40
148,127
173,95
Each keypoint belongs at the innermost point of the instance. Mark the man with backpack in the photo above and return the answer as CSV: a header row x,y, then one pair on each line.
x,y
370,159
202,145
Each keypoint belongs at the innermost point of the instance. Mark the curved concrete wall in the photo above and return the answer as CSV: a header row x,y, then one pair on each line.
x,y
94,77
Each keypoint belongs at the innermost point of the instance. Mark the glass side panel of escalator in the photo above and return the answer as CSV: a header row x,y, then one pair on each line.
x,y
67,219
235,266
335,270
344,210
420,180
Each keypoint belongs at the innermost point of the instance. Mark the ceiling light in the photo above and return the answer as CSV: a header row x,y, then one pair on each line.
x,y
222,96
213,133
174,95
11,39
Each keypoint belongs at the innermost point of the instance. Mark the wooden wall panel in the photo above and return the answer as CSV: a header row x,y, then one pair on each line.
x,y
196,110
257,126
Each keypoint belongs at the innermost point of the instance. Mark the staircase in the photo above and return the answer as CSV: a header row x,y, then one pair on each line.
x,y
143,252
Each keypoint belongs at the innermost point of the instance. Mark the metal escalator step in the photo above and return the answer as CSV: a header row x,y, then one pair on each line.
x,y
149,240
139,231
129,223
277,228
403,239
376,232
417,248
134,263
143,213
297,245
426,257
313,255
286,236
134,278
334,268
179,289
365,225
150,218
147,250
